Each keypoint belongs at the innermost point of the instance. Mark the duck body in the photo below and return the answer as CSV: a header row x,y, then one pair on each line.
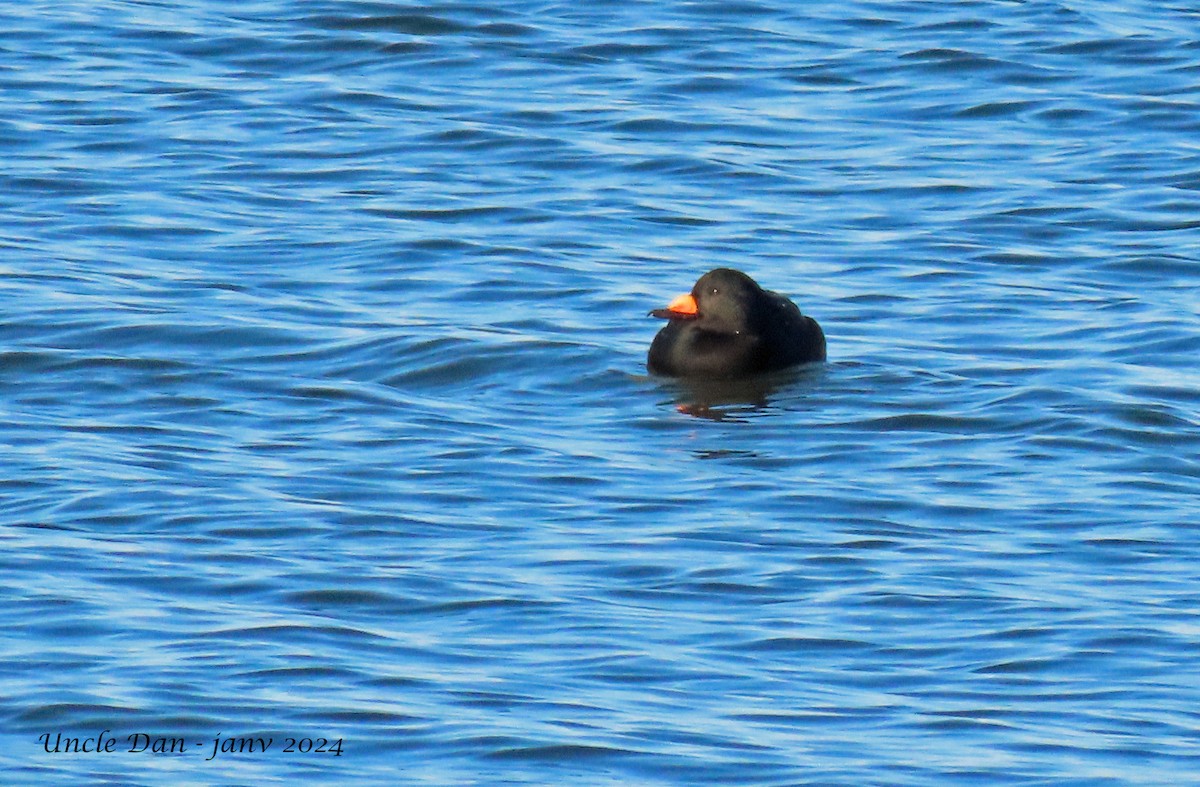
x,y
729,327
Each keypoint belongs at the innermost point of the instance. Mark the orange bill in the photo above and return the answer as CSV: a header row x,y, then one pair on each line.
x,y
682,308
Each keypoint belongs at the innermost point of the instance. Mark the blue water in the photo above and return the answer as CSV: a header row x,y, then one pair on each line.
x,y
324,413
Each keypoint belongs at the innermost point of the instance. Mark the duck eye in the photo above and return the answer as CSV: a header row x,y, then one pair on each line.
x,y
714,290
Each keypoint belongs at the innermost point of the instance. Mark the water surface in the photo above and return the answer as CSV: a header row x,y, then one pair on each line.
x,y
324,410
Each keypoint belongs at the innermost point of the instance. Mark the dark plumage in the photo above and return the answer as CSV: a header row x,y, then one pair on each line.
x,y
730,327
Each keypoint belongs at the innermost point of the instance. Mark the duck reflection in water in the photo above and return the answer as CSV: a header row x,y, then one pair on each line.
x,y
735,400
